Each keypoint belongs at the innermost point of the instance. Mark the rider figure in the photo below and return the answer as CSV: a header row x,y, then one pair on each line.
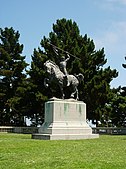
x,y
63,64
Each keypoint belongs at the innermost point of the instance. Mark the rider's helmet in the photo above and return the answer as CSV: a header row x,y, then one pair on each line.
x,y
62,58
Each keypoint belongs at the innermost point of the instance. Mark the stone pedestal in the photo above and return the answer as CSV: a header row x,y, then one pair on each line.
x,y
65,120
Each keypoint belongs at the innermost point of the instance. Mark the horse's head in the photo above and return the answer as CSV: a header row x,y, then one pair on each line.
x,y
47,67
80,77
50,67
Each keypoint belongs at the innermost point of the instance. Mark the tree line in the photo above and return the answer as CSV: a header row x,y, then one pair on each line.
x,y
22,90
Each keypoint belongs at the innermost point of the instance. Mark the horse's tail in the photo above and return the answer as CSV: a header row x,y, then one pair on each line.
x,y
80,76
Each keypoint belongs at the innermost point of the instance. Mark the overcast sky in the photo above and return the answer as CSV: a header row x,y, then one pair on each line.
x,y
104,21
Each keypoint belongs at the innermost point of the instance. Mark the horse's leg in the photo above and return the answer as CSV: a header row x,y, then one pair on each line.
x,y
62,92
63,95
46,84
77,98
75,92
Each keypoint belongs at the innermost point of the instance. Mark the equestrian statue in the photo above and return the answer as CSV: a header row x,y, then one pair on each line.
x,y
55,75
59,75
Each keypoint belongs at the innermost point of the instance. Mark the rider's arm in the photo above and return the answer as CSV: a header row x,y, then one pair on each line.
x,y
68,57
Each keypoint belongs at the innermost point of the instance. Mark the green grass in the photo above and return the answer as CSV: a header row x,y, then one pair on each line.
x,y
18,151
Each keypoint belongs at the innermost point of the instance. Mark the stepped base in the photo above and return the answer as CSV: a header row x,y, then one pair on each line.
x,y
63,136
65,120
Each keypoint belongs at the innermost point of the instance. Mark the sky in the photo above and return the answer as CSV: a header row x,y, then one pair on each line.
x,y
104,21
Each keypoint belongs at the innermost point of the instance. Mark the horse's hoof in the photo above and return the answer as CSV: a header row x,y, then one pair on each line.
x,y
72,96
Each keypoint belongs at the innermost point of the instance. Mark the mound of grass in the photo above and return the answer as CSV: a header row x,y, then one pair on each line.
x,y
18,151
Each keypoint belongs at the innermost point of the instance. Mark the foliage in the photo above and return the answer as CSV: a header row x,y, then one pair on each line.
x,y
12,77
95,90
118,110
24,94
20,151
37,94
124,65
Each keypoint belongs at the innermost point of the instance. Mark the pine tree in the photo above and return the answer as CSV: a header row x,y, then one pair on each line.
x,y
118,108
37,94
12,77
95,88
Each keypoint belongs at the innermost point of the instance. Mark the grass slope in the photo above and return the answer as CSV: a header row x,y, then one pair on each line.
x,y
19,151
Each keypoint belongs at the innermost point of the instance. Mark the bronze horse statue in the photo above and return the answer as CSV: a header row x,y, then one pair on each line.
x,y
57,76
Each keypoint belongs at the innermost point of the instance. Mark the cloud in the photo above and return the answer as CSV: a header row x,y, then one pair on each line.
x,y
117,1
111,5
112,38
114,41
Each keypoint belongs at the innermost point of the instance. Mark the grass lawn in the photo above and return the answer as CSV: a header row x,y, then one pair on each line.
x,y
18,151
